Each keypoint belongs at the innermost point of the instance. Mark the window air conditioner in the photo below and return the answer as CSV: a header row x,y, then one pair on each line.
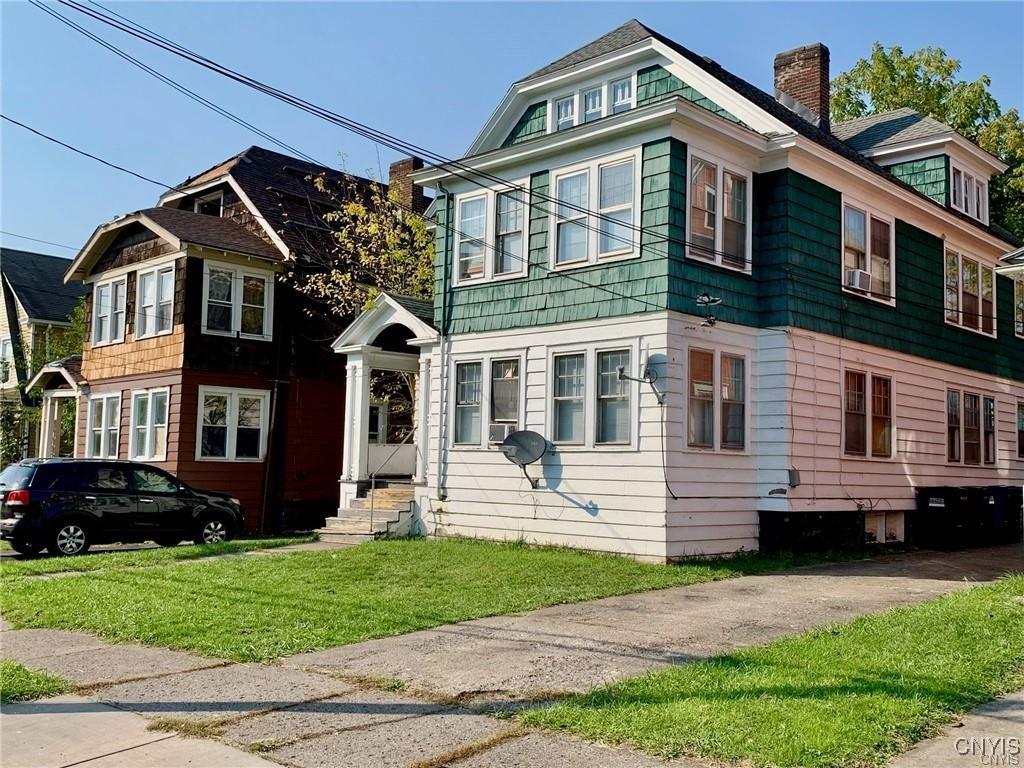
x,y
858,280
498,432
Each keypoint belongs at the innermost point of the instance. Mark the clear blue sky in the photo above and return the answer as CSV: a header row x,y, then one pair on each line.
x,y
430,73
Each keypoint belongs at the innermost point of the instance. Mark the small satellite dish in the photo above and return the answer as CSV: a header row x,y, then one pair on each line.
x,y
522,448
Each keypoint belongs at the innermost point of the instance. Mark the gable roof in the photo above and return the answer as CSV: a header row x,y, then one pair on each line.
x,y
210,231
37,279
422,309
630,32
67,370
886,128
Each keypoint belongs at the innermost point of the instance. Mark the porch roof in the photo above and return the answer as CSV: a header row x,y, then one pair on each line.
x,y
67,370
389,309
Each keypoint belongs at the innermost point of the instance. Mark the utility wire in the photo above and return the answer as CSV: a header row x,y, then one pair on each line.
x,y
37,240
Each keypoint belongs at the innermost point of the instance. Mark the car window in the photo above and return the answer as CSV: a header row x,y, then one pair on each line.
x,y
106,479
16,476
152,481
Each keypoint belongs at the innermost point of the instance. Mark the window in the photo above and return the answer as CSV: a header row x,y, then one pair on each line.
x,y
583,238
237,301
104,426
508,230
232,424
569,393
970,293
613,407
6,360
491,234
593,102
504,399
734,417
969,194
1020,430
958,189
472,230
108,311
953,435
155,302
1018,306
701,389
210,205
720,209
377,428
622,95
148,480
565,113
468,397
716,395
989,430
862,408
149,425
867,253
972,428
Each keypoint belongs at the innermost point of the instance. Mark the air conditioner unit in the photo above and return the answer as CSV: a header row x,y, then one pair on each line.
x,y
498,432
858,280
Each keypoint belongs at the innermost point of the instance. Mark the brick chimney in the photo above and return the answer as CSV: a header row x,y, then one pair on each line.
x,y
801,80
400,181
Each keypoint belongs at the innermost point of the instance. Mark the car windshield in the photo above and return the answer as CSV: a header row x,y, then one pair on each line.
x,y
15,476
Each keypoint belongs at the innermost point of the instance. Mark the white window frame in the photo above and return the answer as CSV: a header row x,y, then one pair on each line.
x,y
105,398
490,234
121,280
869,214
577,94
219,195
574,99
485,361
593,168
154,452
723,166
140,309
971,184
232,422
982,266
590,353
1018,307
716,408
238,275
7,366
869,414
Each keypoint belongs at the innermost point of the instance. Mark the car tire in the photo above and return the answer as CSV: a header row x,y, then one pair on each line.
x,y
213,529
25,547
70,537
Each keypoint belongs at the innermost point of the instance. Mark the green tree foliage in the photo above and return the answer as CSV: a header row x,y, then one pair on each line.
x,y
927,80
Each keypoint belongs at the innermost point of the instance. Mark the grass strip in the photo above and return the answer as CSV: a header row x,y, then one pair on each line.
x,y
17,683
852,694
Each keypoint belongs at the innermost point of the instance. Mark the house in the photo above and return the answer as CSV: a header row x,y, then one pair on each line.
x,y
731,321
35,313
200,357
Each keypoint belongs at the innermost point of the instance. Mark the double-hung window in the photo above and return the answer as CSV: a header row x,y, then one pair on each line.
x,y
6,360
969,193
988,433
593,101
615,206
970,293
155,302
149,425
621,95
210,205
104,426
868,253
568,398
509,232
504,399
1018,306
491,234
232,424
613,407
592,397
1020,430
718,224
237,301
867,415
571,229
487,393
970,427
468,403
109,300
953,425
565,113
716,415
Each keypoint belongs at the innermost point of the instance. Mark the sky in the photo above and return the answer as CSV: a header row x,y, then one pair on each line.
x,y
430,73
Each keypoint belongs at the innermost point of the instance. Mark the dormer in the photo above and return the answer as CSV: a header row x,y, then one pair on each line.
x,y
928,155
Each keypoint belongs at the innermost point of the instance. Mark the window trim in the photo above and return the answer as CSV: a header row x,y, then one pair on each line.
x,y
870,374
982,266
716,351
490,234
970,182
578,93
869,214
219,194
155,271
239,273
962,391
593,168
230,447
697,152
1019,429
93,399
111,339
485,361
157,455
1018,307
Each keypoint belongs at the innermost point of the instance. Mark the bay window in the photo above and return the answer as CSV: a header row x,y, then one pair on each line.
x,y
867,415
716,386
468,398
237,301
232,424
970,293
149,425
718,228
155,302
108,311
104,415
868,253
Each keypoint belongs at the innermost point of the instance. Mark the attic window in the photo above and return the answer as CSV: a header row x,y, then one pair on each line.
x,y
210,205
968,193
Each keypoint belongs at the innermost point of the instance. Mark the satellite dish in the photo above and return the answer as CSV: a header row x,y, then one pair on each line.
x,y
522,448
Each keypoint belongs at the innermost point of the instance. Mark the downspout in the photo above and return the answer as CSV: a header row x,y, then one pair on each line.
x,y
442,491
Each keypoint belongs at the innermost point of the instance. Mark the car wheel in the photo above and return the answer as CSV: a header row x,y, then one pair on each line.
x,y
213,530
70,537
25,547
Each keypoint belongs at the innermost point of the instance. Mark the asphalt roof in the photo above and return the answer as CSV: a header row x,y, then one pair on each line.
x,y
620,37
37,279
421,309
886,128
211,231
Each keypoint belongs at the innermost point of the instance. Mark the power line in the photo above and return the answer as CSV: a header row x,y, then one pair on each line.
x,y
37,240
86,154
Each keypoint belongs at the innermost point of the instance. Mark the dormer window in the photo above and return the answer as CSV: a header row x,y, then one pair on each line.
x,y
968,193
593,104
210,205
622,95
565,113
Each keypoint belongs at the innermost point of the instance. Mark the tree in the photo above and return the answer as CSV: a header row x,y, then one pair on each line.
x,y
926,80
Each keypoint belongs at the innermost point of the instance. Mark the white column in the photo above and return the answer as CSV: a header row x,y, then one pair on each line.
x,y
45,426
422,420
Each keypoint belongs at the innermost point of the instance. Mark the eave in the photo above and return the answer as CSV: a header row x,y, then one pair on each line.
x,y
939,144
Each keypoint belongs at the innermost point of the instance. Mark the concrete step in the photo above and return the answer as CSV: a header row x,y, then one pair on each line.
x,y
363,513
344,539
386,505
347,525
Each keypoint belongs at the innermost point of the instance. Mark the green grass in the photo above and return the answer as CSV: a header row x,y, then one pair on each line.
x,y
20,684
852,694
5,544
261,608
135,558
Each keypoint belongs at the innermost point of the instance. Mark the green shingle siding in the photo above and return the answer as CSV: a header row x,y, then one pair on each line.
x,y
928,176
534,122
657,83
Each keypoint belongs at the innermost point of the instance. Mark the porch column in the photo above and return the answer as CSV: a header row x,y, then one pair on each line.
x,y
357,403
422,425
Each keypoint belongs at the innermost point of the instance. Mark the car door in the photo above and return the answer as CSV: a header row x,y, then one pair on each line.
x,y
163,506
106,500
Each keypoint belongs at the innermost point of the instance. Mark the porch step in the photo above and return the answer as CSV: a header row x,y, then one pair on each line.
x,y
380,505
344,539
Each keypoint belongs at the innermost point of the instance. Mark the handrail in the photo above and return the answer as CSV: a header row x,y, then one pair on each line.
x,y
373,475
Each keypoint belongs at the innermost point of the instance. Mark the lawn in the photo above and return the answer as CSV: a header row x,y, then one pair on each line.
x,y
852,694
20,684
136,558
258,608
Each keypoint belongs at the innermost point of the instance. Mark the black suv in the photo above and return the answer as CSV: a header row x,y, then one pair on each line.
x,y
66,505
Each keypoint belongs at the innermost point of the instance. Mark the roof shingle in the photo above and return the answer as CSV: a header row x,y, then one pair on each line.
x,y
211,231
37,279
887,128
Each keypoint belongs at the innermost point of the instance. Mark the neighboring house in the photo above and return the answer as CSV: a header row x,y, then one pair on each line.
x,y
35,311
810,326
199,358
